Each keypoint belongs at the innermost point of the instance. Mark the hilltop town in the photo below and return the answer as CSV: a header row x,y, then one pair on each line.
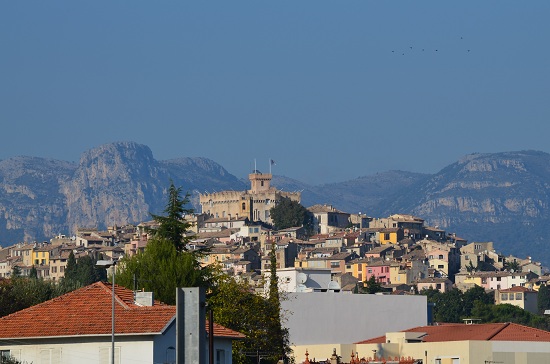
x,y
346,250
342,254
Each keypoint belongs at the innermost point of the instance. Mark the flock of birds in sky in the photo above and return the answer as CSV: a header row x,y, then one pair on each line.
x,y
411,48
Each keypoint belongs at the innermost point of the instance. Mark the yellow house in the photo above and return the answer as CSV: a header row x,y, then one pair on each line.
x,y
399,275
216,255
390,235
41,257
358,269
473,279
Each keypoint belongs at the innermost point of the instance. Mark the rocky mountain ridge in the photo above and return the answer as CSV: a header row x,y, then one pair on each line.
x,y
500,197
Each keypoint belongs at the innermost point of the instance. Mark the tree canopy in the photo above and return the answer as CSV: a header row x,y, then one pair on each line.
x,y
83,271
161,268
238,307
288,213
18,293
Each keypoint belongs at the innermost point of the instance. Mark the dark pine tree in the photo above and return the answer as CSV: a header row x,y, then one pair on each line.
x,y
173,226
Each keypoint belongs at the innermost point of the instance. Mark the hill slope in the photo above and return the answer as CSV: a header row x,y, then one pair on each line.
x,y
500,197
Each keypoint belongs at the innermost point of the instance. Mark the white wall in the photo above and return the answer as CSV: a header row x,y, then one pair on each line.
x,y
83,351
96,350
329,318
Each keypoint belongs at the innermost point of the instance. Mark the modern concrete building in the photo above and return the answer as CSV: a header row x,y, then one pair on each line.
x,y
326,319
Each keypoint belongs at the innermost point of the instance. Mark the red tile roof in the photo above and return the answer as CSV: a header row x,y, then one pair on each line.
x,y
484,332
87,311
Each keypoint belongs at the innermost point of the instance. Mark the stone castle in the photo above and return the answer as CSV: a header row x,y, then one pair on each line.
x,y
253,204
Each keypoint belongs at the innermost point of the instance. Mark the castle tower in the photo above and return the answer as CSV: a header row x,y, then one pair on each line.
x,y
259,182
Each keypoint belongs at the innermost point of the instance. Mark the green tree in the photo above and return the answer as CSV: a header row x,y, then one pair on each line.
x,y
173,226
473,295
543,299
448,305
512,265
33,273
16,271
11,360
372,285
288,213
22,292
71,269
275,328
83,271
238,307
160,269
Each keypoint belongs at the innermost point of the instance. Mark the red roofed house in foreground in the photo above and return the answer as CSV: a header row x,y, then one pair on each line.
x,y
76,328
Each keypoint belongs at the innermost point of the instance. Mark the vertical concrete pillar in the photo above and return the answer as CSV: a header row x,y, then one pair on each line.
x,y
190,325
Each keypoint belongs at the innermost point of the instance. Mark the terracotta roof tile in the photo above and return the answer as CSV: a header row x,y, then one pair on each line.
x,y
87,311
484,332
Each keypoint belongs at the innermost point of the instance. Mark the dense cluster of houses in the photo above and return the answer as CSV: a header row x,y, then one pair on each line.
x,y
400,252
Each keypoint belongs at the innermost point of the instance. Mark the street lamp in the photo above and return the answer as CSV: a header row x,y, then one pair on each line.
x,y
107,264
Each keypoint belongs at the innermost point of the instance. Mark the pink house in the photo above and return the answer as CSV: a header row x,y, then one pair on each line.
x,y
380,270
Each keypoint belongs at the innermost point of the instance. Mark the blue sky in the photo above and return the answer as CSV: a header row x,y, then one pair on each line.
x,y
330,90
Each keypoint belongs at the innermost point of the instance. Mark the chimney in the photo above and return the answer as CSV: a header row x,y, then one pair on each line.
x,y
144,298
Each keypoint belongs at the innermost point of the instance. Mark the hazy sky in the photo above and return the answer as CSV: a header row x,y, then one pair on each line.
x,y
331,90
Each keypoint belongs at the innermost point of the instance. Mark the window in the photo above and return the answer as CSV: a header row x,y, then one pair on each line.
x,y
105,355
440,266
440,256
504,296
335,264
244,206
4,354
519,296
220,356
386,236
50,356
262,183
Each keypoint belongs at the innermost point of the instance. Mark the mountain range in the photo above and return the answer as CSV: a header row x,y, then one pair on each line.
x,y
499,197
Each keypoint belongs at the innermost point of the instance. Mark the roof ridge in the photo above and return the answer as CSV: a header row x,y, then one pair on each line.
x,y
498,331
117,287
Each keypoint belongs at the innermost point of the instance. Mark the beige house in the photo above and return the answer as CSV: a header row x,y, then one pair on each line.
x,y
327,219
505,343
518,296
441,284
253,204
